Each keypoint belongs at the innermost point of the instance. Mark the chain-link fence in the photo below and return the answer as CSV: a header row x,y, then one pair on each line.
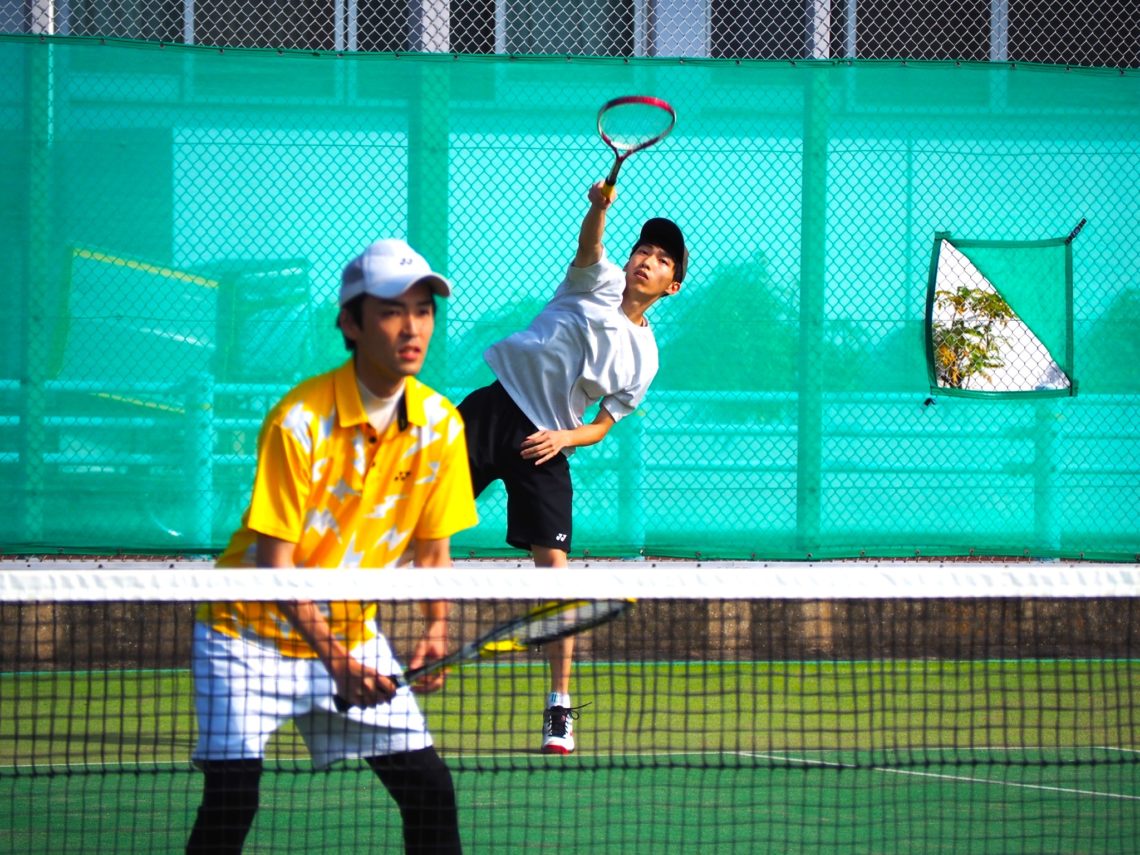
x,y
1073,32
893,337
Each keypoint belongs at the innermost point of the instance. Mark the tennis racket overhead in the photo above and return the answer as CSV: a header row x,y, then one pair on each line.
x,y
633,123
537,627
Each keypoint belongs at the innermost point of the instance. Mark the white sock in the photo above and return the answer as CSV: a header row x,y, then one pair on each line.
x,y
558,699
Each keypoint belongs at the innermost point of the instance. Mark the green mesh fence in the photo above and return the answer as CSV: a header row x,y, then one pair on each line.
x,y
175,219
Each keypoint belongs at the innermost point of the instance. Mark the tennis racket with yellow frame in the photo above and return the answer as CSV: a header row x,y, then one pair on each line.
x,y
539,626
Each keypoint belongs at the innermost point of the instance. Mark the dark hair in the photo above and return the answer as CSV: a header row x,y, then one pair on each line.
x,y
355,309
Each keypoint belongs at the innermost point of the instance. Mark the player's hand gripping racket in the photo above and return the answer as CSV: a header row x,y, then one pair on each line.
x,y
633,123
546,623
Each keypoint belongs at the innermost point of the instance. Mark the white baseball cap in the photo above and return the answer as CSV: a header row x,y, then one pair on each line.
x,y
386,269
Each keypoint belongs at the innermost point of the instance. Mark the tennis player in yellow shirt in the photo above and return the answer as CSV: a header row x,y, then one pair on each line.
x,y
356,468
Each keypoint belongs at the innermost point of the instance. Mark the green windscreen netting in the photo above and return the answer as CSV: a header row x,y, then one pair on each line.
x,y
175,220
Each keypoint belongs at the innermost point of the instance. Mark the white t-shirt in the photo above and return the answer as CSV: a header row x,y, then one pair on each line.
x,y
580,348
380,411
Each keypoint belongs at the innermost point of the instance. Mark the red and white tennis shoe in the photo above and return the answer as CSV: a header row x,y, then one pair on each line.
x,y
558,730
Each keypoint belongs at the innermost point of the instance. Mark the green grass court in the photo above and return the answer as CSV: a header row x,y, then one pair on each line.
x,y
893,756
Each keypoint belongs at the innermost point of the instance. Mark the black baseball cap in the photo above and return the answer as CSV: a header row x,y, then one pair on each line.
x,y
667,235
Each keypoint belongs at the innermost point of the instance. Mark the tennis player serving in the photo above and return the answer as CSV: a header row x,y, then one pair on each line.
x,y
590,344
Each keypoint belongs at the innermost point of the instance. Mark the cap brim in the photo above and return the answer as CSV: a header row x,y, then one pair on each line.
x,y
438,284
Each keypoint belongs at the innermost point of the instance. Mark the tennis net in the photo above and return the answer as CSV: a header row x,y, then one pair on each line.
x,y
737,707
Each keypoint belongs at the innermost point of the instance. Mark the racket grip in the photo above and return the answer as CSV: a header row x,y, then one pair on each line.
x,y
611,180
342,705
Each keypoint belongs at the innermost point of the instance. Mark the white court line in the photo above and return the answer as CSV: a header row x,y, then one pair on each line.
x,y
177,764
966,779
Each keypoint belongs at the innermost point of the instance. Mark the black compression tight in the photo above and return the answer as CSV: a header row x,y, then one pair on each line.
x,y
418,781
229,803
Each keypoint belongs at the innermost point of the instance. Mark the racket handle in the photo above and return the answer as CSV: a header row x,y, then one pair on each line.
x,y
611,179
342,705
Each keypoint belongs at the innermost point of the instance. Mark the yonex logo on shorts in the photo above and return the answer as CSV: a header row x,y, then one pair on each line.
x,y
560,537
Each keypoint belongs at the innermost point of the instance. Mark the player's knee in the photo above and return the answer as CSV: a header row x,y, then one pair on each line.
x,y
421,785
548,556
416,779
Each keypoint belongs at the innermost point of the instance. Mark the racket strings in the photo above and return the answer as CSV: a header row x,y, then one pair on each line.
x,y
568,619
627,126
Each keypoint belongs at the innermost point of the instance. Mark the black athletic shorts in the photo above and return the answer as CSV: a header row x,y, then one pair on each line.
x,y
539,498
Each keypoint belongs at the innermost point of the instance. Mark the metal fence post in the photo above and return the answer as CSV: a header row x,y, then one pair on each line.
x,y
1046,519
813,209
631,476
429,182
43,281
199,460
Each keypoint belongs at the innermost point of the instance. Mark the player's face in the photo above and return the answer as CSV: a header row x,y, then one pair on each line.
x,y
392,338
650,272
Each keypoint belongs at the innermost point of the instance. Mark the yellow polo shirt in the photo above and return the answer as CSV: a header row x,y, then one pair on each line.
x,y
347,496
